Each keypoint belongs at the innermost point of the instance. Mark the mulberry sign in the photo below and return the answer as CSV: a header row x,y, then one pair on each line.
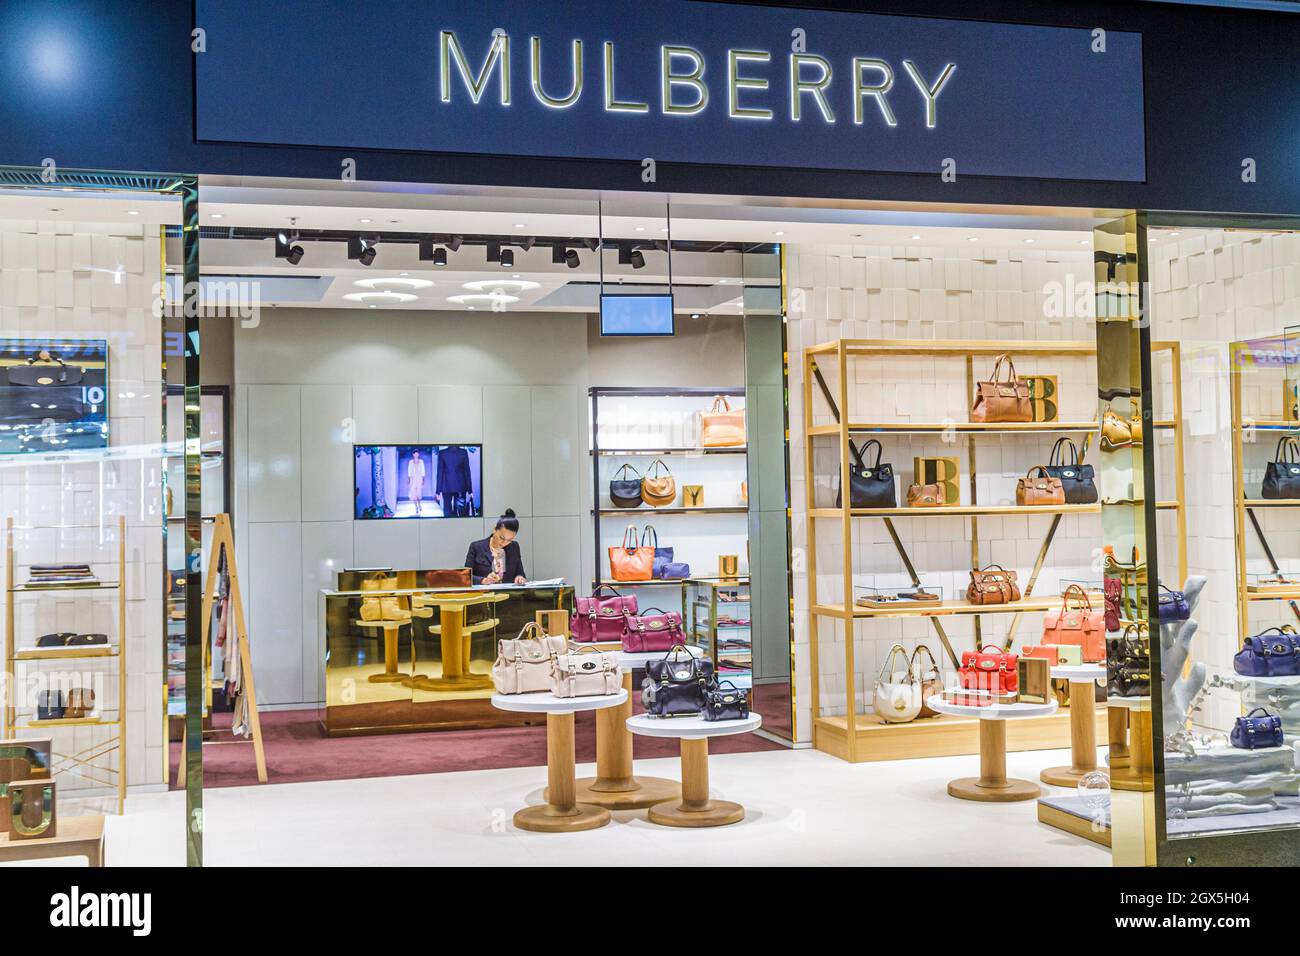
x,y
676,81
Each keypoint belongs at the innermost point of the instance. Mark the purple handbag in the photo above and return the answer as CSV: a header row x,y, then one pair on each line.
x,y
674,571
1173,605
597,618
1251,732
1271,653
652,632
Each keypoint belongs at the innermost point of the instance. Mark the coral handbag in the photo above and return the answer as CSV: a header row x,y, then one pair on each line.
x,y
1077,624
631,561
995,671
652,632
597,618
720,427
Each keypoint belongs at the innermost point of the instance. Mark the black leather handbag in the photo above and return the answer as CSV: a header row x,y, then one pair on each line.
x,y
677,686
49,705
1077,479
726,702
1128,662
59,389
870,486
625,492
87,640
54,640
1282,474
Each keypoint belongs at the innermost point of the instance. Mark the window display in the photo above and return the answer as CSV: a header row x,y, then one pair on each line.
x,y
53,395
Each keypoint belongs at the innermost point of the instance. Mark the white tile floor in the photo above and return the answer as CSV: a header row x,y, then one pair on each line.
x,y
803,808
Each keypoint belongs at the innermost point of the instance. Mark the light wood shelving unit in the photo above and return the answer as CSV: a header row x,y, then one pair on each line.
x,y
855,736
90,763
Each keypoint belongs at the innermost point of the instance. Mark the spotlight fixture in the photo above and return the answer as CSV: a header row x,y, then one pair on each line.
x,y
507,258
362,250
527,242
592,244
638,259
428,253
571,258
558,254
454,243
440,257
493,252
286,248
628,256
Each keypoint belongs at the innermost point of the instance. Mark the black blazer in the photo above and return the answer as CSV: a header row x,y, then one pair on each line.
x,y
479,561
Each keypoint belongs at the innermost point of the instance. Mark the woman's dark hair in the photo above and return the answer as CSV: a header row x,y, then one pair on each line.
x,y
508,521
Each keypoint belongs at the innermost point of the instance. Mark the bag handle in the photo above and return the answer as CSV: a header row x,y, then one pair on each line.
x,y
672,652
727,683
1058,453
1071,591
645,611
627,466
997,648
886,667
605,587
1012,378
1043,468
653,535
989,567
657,463
1287,450
720,404
1259,710
630,530
928,653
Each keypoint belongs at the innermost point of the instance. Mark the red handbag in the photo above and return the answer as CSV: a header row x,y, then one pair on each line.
x,y
1077,624
597,618
652,632
993,670
1113,591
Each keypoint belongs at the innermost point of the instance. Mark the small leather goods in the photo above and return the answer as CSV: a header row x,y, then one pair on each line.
x,y
896,696
54,640
1271,653
1282,474
674,571
990,669
448,578
1257,729
650,538
926,669
1048,652
676,685
49,705
1077,479
1119,432
1039,488
1173,605
87,640
870,486
586,672
625,492
645,632
993,585
720,427
658,490
631,561
925,496
81,703
725,702
1000,400
1076,623
599,617
523,664
692,496
1128,662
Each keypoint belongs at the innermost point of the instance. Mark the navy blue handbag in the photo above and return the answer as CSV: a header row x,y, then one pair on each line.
x,y
1271,653
1251,732
1173,605
674,570
663,556
726,702
1282,475
1076,478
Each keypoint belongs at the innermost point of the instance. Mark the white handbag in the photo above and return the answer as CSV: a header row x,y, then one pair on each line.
x,y
586,672
895,701
524,663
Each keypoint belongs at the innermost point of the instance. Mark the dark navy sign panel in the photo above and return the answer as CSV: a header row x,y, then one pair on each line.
x,y
676,81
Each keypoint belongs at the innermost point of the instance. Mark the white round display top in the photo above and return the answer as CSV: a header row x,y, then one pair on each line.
x,y
548,703
1130,703
636,660
691,728
1079,673
991,711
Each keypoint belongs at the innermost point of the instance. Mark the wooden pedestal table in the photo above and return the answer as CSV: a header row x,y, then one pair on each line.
x,y
561,813
1138,771
614,786
392,630
1083,723
993,785
456,637
75,836
694,809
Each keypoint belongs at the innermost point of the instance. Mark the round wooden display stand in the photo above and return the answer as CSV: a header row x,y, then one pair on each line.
x,y
455,638
1083,724
391,675
562,813
694,809
993,785
1137,772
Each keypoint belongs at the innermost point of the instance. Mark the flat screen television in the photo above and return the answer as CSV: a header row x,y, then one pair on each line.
x,y
53,395
418,481
636,314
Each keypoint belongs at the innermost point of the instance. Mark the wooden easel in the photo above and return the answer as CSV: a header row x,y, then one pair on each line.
x,y
223,539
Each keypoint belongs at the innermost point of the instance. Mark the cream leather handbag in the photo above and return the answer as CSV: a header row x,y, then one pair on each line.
x,y
897,701
524,663
586,672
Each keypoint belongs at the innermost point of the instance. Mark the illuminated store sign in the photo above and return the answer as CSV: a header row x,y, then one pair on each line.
x,y
677,82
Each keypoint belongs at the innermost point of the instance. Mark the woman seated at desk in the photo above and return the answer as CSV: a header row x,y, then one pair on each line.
x,y
497,558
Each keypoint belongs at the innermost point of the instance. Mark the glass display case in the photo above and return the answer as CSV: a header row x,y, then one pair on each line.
x,y
720,624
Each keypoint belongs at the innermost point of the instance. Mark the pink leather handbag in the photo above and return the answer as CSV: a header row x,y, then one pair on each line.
x,y
652,632
598,618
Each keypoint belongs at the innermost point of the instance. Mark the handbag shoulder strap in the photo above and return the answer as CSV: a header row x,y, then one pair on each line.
x,y
654,466
1058,452
720,404
879,451
629,533
856,452
627,466
1038,468
1012,379
886,669
650,534
916,654
1077,592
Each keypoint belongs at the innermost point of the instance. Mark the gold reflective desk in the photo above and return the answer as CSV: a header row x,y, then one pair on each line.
x,y
425,662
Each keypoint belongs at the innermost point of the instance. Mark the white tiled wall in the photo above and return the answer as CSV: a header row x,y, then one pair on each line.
x,y
91,280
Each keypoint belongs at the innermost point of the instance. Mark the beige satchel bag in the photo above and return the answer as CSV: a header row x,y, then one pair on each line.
x,y
897,695
524,663
586,672
1002,401
658,490
720,427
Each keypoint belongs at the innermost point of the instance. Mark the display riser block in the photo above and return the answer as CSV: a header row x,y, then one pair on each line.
x,y
940,736
1077,823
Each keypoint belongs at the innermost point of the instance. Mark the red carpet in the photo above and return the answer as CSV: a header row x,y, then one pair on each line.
x,y
297,751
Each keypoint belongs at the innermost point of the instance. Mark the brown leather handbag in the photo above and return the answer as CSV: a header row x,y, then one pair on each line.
x,y
658,490
1002,401
81,703
1038,487
993,585
928,674
448,578
925,496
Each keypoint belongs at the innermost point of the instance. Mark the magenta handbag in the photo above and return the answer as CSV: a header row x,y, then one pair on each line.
x,y
652,632
598,618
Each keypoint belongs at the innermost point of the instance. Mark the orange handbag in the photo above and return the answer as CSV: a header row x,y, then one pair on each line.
x,y
630,561
720,427
1077,624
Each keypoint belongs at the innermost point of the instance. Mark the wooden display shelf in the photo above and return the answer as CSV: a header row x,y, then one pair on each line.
x,y
60,654
948,608
68,722
736,510
1291,593
1272,502
959,511
974,428
939,736
661,452
35,588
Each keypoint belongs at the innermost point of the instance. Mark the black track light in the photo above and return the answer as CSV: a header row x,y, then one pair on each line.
x,y
528,242
493,252
638,259
440,257
507,258
557,254
454,243
368,255
362,250
286,248
592,244
571,258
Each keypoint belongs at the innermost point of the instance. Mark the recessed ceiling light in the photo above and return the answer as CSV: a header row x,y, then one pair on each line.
x,y
136,212
393,282
972,238
520,225
217,215
365,220
664,229
484,297
780,232
1085,242
515,276
640,228
914,238
1031,240
1174,235
374,307
473,307
387,297
498,285
403,273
